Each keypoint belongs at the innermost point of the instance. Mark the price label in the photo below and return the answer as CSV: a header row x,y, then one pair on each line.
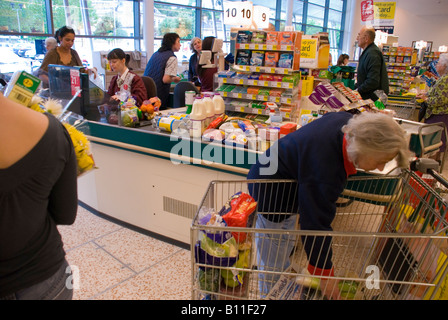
x,y
238,13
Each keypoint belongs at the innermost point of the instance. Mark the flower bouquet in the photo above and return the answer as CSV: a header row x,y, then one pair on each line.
x,y
76,126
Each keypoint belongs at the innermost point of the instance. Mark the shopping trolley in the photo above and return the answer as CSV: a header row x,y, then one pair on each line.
x,y
404,106
390,242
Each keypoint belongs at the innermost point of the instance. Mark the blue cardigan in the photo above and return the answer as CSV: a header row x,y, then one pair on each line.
x,y
312,155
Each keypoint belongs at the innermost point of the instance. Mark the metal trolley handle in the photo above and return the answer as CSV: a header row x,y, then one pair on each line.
x,y
431,167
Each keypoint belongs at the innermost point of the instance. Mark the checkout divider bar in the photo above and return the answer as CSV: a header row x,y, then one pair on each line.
x,y
168,155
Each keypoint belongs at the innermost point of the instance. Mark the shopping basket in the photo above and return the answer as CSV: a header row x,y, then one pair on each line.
x,y
389,243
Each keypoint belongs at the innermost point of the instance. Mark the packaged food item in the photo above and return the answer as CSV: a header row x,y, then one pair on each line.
x,y
257,58
271,59
237,211
272,37
285,60
243,57
275,92
258,36
252,90
213,135
287,38
21,87
287,128
244,36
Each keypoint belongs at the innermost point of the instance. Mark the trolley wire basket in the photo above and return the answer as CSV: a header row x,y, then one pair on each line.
x,y
389,242
404,106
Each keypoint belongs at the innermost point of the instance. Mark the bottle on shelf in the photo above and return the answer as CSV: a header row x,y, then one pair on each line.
x,y
197,118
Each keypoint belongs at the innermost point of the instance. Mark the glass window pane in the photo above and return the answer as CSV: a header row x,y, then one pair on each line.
x,y
110,18
334,19
68,16
315,15
170,18
310,30
23,16
335,37
297,15
212,4
319,2
183,2
337,4
212,24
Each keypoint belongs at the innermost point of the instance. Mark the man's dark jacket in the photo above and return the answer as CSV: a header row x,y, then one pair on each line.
x,y
372,73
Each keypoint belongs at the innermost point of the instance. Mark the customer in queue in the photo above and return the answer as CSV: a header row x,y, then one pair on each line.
x,y
320,157
206,75
126,83
38,191
437,98
343,60
63,54
162,67
196,47
372,70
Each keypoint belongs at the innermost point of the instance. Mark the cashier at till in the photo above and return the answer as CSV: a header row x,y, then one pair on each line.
x,y
125,82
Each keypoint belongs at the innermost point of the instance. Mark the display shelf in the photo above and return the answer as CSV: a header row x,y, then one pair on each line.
x,y
257,97
265,47
286,115
263,69
252,82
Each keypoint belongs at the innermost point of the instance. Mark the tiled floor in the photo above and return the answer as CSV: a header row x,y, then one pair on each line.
x,y
117,263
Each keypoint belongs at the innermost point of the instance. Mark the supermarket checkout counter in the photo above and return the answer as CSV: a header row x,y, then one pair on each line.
x,y
154,181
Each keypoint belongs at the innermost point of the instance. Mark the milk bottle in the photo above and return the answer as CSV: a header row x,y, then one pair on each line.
x,y
209,109
197,118
218,105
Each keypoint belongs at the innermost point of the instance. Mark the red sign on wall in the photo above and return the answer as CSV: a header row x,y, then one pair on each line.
x,y
366,10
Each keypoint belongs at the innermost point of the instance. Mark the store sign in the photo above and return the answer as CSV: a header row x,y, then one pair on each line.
x,y
309,49
246,14
367,10
75,81
384,13
378,14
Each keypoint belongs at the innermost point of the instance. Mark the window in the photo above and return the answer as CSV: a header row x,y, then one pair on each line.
x,y
102,25
313,16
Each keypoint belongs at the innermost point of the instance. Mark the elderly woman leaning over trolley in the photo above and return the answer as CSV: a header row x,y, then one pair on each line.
x,y
320,156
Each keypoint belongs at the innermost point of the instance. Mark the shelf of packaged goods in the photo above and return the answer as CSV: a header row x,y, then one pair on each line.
x,y
397,64
263,69
254,82
258,97
263,46
285,115
397,54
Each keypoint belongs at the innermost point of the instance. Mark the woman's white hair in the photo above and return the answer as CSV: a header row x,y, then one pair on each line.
x,y
443,59
375,134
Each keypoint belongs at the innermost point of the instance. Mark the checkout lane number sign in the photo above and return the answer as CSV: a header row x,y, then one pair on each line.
x,y
246,14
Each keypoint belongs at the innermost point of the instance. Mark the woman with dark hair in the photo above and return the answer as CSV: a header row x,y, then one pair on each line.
x,y
63,54
125,80
343,60
162,67
38,191
205,75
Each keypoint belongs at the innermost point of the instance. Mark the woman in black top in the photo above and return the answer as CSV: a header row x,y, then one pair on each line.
x,y
38,190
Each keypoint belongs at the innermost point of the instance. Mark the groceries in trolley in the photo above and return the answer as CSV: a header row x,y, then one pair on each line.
x,y
220,252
